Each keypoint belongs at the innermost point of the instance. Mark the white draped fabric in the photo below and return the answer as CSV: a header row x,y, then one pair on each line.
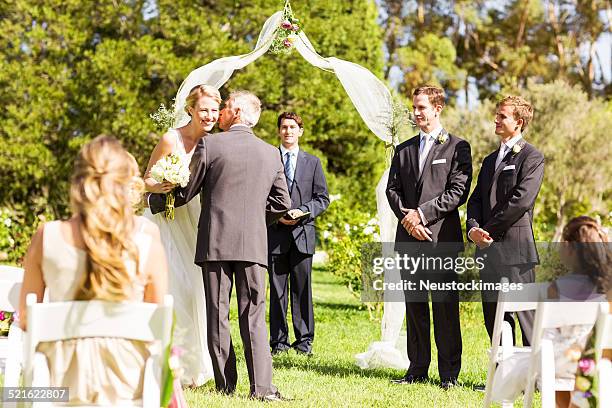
x,y
370,96
374,104
391,350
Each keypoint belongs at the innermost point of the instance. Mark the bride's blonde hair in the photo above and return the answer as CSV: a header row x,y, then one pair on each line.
x,y
104,186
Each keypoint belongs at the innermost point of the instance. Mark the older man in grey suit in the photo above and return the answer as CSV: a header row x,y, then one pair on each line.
x,y
243,186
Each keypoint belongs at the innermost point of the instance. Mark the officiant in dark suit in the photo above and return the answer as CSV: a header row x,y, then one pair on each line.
x,y
291,242
242,184
429,180
500,210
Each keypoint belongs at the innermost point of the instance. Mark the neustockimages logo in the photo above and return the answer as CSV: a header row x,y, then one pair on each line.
x,y
412,264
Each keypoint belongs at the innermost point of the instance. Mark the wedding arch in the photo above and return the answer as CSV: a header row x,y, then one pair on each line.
x,y
374,104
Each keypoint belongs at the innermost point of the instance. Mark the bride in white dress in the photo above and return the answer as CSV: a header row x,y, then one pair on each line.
x,y
179,237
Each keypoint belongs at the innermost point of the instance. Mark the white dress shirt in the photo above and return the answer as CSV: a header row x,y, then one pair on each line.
x,y
504,148
294,153
428,139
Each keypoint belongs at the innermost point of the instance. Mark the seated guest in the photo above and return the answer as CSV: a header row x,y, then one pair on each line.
x,y
103,252
585,394
586,254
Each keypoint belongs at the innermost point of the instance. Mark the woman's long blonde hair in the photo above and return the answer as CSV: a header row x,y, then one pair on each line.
x,y
103,188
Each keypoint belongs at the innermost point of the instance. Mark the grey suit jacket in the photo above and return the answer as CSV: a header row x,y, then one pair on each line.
x,y
438,191
309,194
503,200
243,186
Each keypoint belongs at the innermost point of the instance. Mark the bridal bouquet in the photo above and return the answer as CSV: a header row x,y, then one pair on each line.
x,y
174,170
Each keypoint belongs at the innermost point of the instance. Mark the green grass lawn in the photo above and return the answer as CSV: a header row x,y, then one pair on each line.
x,y
330,377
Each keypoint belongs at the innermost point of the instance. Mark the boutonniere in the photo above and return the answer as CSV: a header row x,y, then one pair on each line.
x,y
442,137
517,147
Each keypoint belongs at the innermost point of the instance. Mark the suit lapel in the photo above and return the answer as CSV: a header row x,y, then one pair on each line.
x,y
413,152
299,165
430,157
489,168
506,159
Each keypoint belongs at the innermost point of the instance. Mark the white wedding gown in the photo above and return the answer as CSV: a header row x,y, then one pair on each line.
x,y
186,284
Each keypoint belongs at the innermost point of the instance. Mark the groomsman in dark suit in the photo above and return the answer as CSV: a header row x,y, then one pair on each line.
x,y
429,180
500,210
291,242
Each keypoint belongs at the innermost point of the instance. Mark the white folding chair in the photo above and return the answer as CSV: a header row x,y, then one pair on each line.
x,y
604,371
140,321
502,343
550,315
603,341
11,347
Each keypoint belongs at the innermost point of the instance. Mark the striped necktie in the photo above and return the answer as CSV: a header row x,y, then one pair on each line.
x,y
289,169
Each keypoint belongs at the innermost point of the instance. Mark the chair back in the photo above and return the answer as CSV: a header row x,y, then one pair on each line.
x,y
551,314
603,339
95,318
519,301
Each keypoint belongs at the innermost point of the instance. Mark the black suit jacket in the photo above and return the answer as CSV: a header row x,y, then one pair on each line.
x,y
503,200
309,194
439,191
243,185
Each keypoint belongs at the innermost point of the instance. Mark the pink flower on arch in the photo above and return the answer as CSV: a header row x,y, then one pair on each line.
x,y
286,25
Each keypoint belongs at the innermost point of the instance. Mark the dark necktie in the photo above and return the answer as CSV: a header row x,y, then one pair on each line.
x,y
288,169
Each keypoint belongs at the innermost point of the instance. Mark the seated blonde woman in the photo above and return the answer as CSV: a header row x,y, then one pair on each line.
x,y
103,252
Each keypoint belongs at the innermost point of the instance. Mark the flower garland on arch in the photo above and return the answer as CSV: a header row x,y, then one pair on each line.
x,y
287,32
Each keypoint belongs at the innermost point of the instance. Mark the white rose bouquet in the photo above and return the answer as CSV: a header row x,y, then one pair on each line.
x,y
174,170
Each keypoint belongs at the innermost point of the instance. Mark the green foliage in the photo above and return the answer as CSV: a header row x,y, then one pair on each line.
x,y
431,60
17,225
498,43
70,70
347,233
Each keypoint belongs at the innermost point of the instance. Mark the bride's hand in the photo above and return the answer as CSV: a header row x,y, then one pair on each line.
x,y
162,188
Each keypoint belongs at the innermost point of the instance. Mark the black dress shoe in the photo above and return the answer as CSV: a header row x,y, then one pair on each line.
x,y
411,379
449,382
480,388
279,350
304,352
226,391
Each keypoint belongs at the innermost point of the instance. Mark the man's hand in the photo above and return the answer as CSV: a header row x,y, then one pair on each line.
x,y
294,213
421,233
411,219
285,221
481,238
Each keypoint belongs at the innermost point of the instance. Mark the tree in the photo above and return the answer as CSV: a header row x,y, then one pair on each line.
x,y
499,44
70,70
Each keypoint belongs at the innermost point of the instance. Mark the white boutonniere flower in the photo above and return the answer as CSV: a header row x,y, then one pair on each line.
x,y
442,137
516,149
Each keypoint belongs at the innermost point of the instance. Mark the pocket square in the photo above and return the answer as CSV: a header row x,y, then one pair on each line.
x,y
510,167
439,161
